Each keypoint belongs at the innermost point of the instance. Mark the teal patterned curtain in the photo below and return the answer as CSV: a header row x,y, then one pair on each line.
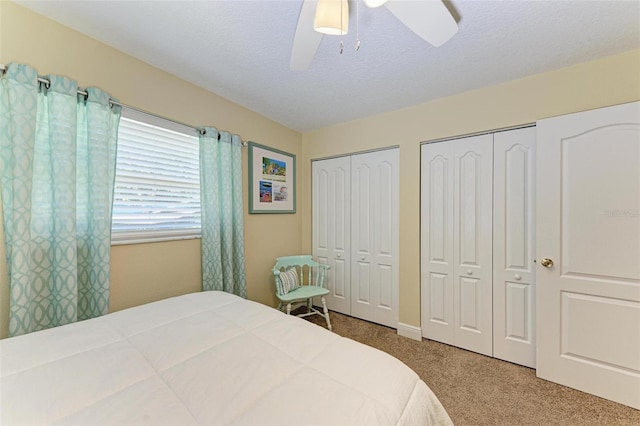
x,y
57,152
222,214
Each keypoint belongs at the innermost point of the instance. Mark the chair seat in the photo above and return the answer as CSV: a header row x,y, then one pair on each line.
x,y
304,292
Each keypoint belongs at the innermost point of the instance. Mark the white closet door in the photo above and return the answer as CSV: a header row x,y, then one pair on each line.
x,y
472,212
436,264
513,246
331,227
588,225
374,236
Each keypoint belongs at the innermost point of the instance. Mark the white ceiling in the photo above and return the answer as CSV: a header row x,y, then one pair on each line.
x,y
240,49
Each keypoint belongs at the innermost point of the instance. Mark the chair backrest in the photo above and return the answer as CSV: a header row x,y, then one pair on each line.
x,y
309,271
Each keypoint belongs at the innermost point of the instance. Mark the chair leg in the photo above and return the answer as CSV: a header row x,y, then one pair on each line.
x,y
280,306
288,308
326,313
309,305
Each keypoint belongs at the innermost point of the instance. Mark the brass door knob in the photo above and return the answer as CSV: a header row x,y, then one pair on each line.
x,y
547,263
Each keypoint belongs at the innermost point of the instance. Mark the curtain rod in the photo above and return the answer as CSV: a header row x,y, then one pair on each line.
x,y
112,102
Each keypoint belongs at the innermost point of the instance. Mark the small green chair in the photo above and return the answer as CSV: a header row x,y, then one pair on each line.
x,y
289,274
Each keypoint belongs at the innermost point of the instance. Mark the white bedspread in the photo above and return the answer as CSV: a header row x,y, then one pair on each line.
x,y
205,358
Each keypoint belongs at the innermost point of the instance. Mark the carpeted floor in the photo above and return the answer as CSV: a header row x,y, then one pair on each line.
x,y
479,390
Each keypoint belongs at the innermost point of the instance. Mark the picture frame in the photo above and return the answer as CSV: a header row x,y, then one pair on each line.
x,y
272,180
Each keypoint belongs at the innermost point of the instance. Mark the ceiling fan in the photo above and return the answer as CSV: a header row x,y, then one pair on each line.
x,y
429,19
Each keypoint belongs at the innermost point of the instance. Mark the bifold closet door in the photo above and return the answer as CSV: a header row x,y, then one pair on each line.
x,y
374,236
331,216
513,246
457,193
436,245
472,233
355,231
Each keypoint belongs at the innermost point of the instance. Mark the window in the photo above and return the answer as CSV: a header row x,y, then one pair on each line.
x,y
157,185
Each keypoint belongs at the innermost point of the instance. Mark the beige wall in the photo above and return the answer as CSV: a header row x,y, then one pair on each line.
x,y
147,272
604,82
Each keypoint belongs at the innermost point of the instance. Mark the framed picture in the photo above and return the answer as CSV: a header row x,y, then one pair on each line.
x,y
272,180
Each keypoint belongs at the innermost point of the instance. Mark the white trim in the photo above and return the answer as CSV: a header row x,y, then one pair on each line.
x,y
161,122
410,331
367,151
484,132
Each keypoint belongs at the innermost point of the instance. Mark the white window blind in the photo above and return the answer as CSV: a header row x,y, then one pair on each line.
x,y
157,185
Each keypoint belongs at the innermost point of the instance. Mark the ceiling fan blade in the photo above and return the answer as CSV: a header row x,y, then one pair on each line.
x,y
306,39
430,19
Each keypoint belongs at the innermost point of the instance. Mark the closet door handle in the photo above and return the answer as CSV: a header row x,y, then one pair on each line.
x,y
517,277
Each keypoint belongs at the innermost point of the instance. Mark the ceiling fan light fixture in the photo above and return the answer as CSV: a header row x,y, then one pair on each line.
x,y
374,3
332,17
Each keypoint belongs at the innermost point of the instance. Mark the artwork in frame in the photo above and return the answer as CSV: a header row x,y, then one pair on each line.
x,y
272,180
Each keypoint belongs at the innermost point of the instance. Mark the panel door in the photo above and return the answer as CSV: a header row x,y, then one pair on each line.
x,y
588,225
513,246
331,216
436,240
472,243
374,236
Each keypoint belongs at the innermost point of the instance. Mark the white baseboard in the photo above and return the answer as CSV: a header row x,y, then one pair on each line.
x,y
410,331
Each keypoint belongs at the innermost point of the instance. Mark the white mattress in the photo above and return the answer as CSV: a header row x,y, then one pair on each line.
x,y
205,358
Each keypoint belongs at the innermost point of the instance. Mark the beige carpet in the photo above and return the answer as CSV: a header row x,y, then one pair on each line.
x,y
479,390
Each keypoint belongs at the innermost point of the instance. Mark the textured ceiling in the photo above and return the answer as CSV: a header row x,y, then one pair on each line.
x,y
241,49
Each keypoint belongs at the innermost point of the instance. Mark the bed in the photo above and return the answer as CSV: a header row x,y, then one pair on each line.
x,y
206,358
